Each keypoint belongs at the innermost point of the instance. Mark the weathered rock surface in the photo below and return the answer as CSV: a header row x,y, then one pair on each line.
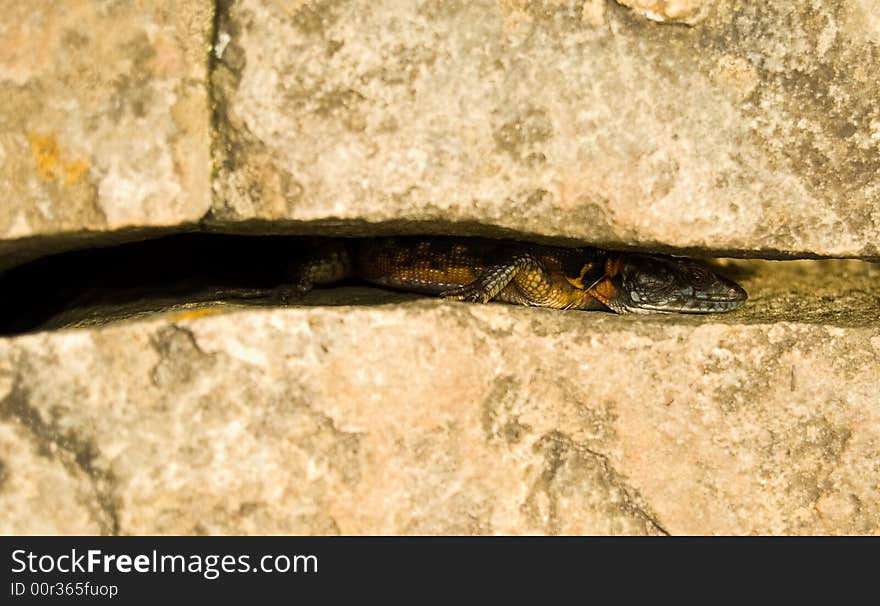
x,y
755,132
680,11
104,122
430,417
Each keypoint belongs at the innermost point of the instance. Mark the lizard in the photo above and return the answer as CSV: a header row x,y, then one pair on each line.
x,y
480,270
210,267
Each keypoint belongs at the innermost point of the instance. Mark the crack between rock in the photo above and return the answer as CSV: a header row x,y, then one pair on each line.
x,y
211,94
211,64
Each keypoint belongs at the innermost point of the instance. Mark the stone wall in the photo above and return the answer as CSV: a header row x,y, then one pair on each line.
x,y
104,123
755,132
713,128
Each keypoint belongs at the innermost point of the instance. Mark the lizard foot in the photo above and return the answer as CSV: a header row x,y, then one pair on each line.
x,y
491,282
471,293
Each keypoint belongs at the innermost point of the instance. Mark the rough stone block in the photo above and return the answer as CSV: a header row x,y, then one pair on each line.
x,y
105,121
426,417
755,132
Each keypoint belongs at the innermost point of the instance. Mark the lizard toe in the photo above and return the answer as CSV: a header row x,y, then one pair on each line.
x,y
466,293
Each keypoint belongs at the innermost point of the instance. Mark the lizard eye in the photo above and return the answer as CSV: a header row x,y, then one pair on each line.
x,y
698,277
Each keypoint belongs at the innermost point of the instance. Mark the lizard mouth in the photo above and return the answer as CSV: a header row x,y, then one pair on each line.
x,y
700,306
732,298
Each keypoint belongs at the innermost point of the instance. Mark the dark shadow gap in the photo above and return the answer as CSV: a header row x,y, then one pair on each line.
x,y
198,270
129,279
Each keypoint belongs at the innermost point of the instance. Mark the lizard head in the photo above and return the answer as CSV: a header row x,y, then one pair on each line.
x,y
646,284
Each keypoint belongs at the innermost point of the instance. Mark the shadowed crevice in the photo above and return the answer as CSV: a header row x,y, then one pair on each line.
x,y
197,272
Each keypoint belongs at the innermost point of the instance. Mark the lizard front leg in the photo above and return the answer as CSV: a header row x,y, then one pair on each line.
x,y
495,278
